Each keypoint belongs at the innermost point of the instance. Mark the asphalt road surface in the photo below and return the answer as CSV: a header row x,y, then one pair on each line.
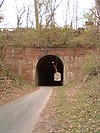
x,y
21,115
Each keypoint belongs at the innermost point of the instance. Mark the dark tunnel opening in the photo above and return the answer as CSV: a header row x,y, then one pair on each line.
x,y
49,71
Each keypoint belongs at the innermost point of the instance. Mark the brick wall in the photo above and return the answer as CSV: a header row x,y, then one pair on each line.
x,y
23,61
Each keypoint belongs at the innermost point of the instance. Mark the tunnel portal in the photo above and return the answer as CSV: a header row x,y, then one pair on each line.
x,y
49,71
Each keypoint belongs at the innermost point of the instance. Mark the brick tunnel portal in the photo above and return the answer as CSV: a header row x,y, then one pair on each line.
x,y
49,71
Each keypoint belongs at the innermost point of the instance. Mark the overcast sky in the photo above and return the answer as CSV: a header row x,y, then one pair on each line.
x,y
9,11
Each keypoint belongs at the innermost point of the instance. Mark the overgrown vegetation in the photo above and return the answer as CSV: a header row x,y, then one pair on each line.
x,y
11,86
91,66
53,37
90,38
92,63
6,73
77,108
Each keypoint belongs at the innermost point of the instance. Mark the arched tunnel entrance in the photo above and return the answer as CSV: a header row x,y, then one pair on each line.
x,y
49,71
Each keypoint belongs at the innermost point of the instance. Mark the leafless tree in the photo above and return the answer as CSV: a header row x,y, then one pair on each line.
x,y
1,3
72,13
27,17
50,15
76,13
19,13
1,16
45,9
97,3
36,3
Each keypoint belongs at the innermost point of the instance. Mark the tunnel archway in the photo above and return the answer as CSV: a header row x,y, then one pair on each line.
x,y
47,70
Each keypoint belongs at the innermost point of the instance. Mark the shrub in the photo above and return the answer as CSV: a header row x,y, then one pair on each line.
x,y
92,63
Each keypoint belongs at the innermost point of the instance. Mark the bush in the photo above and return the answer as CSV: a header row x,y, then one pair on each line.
x,y
50,37
92,63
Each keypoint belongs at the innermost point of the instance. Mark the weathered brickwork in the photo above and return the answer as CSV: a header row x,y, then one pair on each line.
x,y
23,61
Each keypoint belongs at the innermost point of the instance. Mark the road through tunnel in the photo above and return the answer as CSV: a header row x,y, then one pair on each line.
x,y
49,71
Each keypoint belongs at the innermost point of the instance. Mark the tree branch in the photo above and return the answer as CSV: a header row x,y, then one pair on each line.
x,y
2,3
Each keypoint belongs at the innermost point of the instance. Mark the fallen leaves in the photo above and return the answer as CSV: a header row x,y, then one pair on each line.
x,y
79,108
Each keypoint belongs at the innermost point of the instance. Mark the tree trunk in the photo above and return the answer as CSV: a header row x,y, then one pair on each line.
x,y
2,3
97,2
36,13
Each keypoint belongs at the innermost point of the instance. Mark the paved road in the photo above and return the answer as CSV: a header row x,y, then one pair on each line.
x,y
21,115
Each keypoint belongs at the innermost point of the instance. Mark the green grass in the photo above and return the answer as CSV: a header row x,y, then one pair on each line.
x,y
78,108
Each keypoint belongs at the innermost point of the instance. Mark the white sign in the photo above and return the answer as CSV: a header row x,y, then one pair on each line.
x,y
57,76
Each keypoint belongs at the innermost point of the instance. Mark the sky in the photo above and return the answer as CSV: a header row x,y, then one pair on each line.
x,y
10,12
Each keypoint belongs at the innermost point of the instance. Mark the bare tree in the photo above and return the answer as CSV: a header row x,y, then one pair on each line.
x,y
76,13
27,17
19,17
36,3
45,9
19,14
39,11
72,13
1,16
50,9
91,15
97,3
1,3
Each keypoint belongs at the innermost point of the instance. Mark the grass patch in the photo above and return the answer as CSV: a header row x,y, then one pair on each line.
x,y
78,108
